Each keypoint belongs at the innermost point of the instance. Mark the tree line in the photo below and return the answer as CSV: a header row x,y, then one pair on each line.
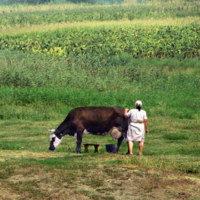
x,y
34,2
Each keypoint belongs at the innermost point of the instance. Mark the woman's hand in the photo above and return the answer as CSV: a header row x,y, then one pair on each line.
x,y
125,111
146,125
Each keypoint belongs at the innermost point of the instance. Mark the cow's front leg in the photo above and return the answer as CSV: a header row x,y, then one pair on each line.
x,y
78,142
120,140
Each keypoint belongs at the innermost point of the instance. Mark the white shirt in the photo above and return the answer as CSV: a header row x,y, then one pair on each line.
x,y
136,116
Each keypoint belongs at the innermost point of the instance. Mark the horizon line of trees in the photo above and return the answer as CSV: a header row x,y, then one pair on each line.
x,y
34,2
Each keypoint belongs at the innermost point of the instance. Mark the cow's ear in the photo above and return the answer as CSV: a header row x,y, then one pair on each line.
x,y
48,130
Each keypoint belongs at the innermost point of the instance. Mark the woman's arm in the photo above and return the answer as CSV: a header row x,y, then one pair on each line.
x,y
146,125
125,111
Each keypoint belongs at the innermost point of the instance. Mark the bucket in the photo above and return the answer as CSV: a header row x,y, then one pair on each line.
x,y
110,148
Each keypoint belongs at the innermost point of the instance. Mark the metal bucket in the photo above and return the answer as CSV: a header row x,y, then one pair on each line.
x,y
111,148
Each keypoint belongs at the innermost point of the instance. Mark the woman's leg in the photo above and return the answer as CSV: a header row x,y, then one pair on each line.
x,y
141,147
130,147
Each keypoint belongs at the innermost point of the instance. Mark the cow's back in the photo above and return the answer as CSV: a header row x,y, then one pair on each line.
x,y
97,120
101,113
94,119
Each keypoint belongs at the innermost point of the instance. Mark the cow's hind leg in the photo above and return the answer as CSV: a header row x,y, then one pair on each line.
x,y
120,140
79,141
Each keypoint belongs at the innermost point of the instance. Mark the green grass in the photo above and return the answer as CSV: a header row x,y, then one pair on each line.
x,y
167,87
23,15
36,93
29,170
57,103
168,138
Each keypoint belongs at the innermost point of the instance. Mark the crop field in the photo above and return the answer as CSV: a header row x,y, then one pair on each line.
x,y
159,42
56,57
12,16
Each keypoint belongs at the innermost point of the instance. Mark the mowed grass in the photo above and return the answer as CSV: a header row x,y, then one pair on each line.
x,y
168,138
169,168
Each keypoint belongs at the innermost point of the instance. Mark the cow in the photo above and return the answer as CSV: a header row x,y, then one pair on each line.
x,y
94,120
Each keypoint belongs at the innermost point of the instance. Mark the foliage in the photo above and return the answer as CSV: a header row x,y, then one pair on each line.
x,y
180,42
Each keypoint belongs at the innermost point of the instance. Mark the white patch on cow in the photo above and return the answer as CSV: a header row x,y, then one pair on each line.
x,y
57,141
85,132
115,133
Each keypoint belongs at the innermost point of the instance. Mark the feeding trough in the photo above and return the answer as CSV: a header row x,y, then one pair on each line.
x,y
111,148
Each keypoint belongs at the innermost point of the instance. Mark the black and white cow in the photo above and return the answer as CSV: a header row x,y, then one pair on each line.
x,y
93,120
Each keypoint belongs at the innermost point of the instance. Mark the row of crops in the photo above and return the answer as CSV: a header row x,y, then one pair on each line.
x,y
160,42
94,14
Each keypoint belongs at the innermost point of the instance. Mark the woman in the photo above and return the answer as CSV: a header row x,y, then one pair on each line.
x,y
137,119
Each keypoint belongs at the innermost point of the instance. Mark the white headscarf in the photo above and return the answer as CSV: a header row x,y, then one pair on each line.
x,y
138,103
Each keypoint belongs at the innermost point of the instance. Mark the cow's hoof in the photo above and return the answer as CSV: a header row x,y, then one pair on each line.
x,y
116,151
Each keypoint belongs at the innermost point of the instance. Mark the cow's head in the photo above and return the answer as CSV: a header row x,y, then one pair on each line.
x,y
54,140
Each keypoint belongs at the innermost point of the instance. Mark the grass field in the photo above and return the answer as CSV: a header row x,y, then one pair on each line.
x,y
120,23
37,91
169,167
69,6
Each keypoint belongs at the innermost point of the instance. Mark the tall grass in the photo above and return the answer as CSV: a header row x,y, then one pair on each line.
x,y
46,103
113,73
34,87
